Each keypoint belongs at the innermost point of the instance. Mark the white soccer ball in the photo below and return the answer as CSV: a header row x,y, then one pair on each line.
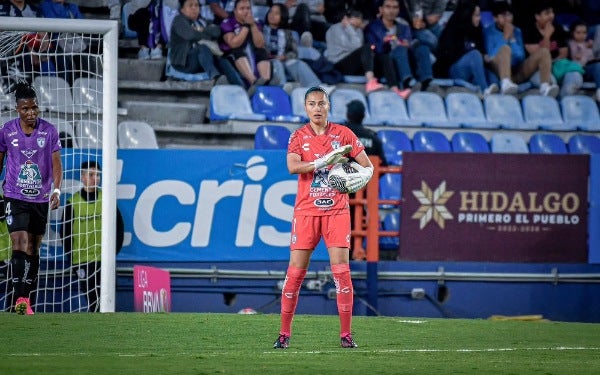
x,y
338,176
247,310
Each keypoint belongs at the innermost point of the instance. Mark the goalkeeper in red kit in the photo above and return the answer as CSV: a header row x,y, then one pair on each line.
x,y
320,210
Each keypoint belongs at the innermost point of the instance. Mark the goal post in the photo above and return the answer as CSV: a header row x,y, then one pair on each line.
x,y
108,33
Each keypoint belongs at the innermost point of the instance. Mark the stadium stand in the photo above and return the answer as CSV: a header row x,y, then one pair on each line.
x,y
54,94
466,109
274,103
136,134
87,93
297,99
430,141
584,144
543,143
394,143
340,98
271,137
506,111
89,134
508,143
469,142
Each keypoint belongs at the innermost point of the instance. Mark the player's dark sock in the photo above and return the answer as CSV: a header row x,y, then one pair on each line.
x,y
30,277
17,262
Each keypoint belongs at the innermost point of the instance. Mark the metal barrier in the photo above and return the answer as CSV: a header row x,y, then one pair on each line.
x,y
366,221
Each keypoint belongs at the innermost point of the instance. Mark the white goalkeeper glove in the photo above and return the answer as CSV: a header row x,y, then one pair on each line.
x,y
359,179
335,156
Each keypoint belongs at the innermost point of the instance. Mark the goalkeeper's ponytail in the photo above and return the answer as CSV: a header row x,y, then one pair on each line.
x,y
23,90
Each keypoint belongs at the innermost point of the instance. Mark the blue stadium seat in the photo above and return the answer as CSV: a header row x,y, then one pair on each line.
x,y
580,111
339,98
387,108
230,102
391,222
394,142
506,111
274,103
466,109
508,143
547,144
173,73
271,137
430,141
297,98
543,112
126,11
390,186
584,144
469,142
428,109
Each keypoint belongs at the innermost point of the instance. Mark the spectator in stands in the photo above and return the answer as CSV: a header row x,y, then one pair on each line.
x,y
317,61
582,52
114,8
425,16
545,33
221,9
19,8
394,48
82,233
282,48
347,50
60,9
242,41
309,15
145,20
504,45
590,11
461,53
187,51
355,114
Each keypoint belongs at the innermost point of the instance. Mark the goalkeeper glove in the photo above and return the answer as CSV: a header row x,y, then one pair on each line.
x,y
359,179
335,156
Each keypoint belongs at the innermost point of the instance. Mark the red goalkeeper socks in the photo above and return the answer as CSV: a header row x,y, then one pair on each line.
x,y
345,296
289,297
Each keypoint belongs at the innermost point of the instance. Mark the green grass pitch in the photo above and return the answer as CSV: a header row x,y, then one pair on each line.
x,y
190,343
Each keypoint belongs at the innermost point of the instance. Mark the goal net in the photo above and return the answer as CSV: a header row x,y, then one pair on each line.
x,y
72,65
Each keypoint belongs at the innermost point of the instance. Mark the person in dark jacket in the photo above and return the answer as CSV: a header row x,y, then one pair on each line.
x,y
461,51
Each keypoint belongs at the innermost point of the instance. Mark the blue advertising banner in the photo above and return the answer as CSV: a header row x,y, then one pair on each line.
x,y
198,205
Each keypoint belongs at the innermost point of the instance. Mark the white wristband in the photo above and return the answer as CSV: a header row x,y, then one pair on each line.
x,y
56,191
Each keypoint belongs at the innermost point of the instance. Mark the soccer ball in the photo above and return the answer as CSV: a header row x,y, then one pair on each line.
x,y
338,176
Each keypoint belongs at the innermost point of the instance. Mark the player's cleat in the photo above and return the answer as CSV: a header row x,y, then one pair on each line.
x,y
23,307
282,342
348,342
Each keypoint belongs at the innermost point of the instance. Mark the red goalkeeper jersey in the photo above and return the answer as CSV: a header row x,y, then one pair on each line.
x,y
315,197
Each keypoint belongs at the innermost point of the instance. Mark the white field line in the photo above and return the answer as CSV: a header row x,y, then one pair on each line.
x,y
309,352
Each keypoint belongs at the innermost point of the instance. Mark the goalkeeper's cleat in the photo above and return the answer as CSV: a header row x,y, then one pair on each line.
x,y
23,306
348,342
282,342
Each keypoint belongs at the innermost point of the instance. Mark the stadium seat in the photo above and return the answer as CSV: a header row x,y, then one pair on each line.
x,y
430,141
54,94
297,98
175,74
508,144
580,111
506,111
274,103
543,112
271,137
390,186
394,143
136,134
230,102
5,98
66,133
88,134
428,109
584,144
469,142
126,11
547,144
391,222
466,109
87,93
340,98
387,108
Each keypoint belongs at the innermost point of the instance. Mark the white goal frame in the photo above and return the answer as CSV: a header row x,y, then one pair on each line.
x,y
110,31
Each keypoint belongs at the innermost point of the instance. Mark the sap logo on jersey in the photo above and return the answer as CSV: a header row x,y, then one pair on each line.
x,y
245,207
324,202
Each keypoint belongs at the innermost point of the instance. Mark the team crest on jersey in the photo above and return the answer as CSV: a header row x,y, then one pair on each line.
x,y
41,141
335,145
